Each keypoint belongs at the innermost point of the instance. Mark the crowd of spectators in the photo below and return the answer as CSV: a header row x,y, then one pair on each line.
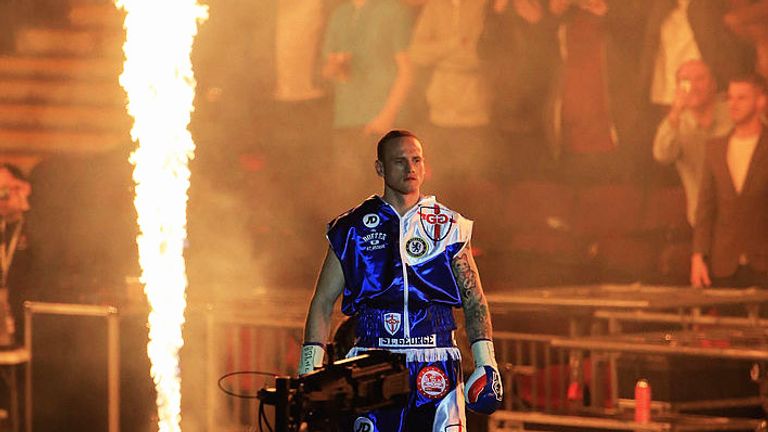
x,y
581,82
581,93
575,92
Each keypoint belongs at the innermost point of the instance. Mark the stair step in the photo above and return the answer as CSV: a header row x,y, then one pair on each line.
x,y
62,92
46,41
41,141
60,67
96,15
65,117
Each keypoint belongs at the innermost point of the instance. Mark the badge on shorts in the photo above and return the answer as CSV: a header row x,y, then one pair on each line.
x,y
416,247
432,382
392,322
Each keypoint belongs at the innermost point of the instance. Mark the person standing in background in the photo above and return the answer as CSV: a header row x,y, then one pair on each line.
x,y
365,57
698,114
591,117
682,30
731,229
444,44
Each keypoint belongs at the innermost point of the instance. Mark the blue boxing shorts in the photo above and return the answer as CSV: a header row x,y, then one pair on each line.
x,y
436,402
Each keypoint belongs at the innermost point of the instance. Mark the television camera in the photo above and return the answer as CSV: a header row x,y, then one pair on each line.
x,y
322,398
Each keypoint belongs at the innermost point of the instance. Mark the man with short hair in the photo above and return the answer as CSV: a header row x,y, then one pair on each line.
x,y
364,55
402,262
730,244
697,115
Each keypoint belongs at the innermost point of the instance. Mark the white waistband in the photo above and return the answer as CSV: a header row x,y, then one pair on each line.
x,y
416,354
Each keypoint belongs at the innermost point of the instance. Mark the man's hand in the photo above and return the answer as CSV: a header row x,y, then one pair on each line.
x,y
733,21
529,10
558,7
595,7
699,272
337,66
483,390
380,125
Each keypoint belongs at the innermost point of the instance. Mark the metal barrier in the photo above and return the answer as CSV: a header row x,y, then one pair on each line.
x,y
242,340
527,360
685,320
113,352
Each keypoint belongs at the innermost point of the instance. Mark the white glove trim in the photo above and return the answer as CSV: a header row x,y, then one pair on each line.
x,y
311,358
483,354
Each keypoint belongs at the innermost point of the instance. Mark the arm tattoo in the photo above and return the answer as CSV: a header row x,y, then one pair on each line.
x,y
476,315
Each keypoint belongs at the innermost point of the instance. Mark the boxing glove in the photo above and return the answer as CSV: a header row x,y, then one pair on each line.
x,y
483,390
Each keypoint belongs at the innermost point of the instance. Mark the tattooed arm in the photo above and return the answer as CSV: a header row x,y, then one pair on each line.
x,y
483,391
476,315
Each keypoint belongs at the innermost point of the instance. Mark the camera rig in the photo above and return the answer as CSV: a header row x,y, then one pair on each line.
x,y
374,379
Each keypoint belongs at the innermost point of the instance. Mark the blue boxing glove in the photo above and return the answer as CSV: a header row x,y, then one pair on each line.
x,y
483,390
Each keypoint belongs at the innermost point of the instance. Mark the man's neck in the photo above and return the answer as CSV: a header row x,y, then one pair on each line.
x,y
748,129
358,3
401,202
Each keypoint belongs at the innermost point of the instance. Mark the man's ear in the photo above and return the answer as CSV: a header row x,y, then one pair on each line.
x,y
379,168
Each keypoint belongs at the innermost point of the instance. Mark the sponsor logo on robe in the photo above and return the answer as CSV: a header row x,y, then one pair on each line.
x,y
410,342
436,221
374,241
363,424
432,382
371,220
392,322
416,247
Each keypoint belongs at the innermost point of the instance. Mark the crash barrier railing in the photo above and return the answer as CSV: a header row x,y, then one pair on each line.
x,y
241,340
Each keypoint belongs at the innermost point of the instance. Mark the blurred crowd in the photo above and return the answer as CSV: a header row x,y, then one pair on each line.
x,y
506,85
500,91
293,94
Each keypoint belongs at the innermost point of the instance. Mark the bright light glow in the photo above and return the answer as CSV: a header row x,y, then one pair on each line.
x,y
160,84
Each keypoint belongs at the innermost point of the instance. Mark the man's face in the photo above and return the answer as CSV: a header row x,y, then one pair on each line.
x,y
13,195
403,165
701,86
745,102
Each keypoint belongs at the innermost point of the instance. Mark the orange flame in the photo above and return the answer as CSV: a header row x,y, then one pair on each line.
x,y
160,85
